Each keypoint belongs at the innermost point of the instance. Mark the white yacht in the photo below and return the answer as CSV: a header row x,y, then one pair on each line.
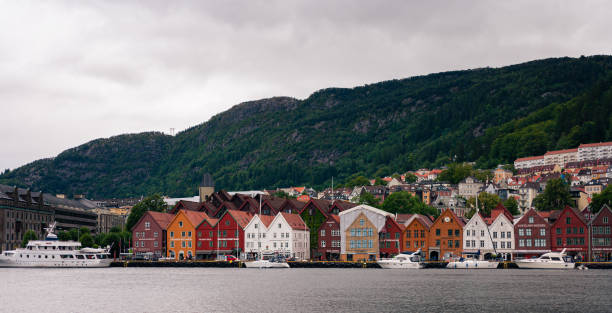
x,y
472,261
550,260
266,264
404,260
54,253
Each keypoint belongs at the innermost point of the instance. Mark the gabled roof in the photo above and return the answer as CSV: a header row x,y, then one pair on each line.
x,y
342,205
604,208
162,219
295,221
500,209
322,205
459,220
391,220
294,204
422,219
403,218
195,218
334,217
241,217
369,208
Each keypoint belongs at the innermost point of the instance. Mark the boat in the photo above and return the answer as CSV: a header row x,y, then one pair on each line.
x,y
550,260
471,261
274,262
404,260
52,252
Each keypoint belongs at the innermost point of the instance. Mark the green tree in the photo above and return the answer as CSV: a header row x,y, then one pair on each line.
x,y
64,236
598,201
369,199
380,182
556,196
74,234
483,175
358,181
99,239
29,235
512,205
84,230
455,173
153,202
115,229
282,194
410,178
87,240
113,240
486,203
404,202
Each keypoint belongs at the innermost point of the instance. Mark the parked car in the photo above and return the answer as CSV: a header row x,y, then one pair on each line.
x,y
227,258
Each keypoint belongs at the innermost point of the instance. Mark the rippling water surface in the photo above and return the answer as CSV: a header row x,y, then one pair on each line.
x,y
303,290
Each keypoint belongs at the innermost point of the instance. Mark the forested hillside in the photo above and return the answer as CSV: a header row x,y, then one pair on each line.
x,y
485,115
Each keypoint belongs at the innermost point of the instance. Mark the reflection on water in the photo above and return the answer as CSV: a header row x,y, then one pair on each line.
x,y
302,290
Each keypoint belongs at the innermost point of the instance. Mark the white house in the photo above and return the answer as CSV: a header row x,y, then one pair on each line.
x,y
501,229
476,236
289,236
284,234
256,236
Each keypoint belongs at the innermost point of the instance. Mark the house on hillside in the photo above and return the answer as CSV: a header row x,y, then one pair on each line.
x,y
470,187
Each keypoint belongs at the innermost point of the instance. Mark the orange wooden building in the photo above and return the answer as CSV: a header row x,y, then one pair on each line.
x,y
446,236
181,234
416,234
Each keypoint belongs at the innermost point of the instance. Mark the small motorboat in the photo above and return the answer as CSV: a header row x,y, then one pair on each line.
x,y
550,260
404,260
274,262
472,261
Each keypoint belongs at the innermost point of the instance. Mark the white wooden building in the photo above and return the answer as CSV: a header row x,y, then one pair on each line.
x,y
476,236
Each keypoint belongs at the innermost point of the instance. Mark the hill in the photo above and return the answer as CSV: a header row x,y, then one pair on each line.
x,y
488,115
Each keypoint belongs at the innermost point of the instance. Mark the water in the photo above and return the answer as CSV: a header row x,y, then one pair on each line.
x,y
303,290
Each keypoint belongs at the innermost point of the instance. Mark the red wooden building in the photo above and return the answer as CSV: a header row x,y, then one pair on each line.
x,y
230,230
329,239
206,239
570,232
531,235
390,238
149,233
601,236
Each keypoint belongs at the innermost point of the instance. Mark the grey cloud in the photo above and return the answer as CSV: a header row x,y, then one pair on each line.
x,y
80,70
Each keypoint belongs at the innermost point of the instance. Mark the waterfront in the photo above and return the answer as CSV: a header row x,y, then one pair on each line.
x,y
302,290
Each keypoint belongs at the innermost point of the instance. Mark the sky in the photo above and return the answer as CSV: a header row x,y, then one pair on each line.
x,y
74,71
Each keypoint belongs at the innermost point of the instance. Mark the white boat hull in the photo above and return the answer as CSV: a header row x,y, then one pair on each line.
x,y
472,264
265,264
545,265
400,265
10,262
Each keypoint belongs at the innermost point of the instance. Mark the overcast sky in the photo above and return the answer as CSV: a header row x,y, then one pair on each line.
x,y
74,71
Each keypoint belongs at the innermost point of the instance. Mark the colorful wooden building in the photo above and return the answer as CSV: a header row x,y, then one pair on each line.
x,y
531,235
601,246
149,233
230,232
206,239
416,234
329,238
446,236
570,232
390,238
181,234
359,229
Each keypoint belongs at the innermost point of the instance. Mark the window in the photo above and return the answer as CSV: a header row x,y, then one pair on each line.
x,y
509,234
136,244
502,234
605,220
482,243
210,244
531,220
225,234
182,234
189,234
558,231
503,245
437,232
450,232
147,225
237,235
408,234
521,242
171,234
559,243
155,234
467,243
494,234
482,233
457,232
473,243
181,224
155,244
528,242
568,230
568,220
322,232
189,244
582,230
361,222
397,235
280,226
171,244
450,243
509,245
495,245
528,231
227,223
416,234
437,242
183,244
422,234
322,244
521,232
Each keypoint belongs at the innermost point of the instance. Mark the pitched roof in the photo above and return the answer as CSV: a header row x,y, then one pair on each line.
x,y
162,219
241,217
335,217
402,218
266,219
195,218
295,221
500,209
343,205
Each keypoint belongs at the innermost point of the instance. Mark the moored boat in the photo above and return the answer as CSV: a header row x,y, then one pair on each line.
x,y
404,260
550,260
270,263
471,261
52,252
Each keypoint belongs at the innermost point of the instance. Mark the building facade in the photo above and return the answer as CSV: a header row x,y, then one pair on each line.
x,y
446,236
390,238
416,234
149,233
329,238
601,236
531,235
476,236
359,229
181,234
570,232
